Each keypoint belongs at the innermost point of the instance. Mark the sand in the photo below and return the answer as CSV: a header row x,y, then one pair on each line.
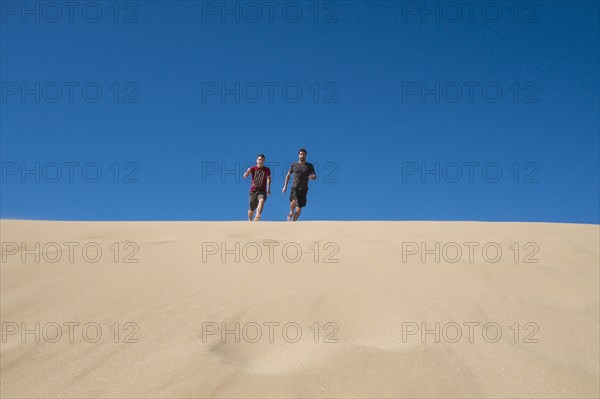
x,y
234,309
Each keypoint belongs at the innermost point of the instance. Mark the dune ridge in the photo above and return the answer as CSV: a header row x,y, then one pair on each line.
x,y
308,309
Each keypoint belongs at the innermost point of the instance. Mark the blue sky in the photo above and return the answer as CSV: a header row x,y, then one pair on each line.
x,y
152,110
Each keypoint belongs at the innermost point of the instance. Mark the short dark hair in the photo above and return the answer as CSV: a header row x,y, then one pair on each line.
x,y
261,155
302,150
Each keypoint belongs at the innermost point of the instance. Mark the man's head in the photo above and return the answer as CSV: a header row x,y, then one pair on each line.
x,y
302,155
260,160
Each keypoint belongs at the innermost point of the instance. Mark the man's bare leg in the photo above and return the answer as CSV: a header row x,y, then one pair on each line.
x,y
297,214
261,203
250,214
290,217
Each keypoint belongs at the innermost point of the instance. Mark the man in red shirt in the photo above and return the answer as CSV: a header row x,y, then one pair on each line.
x,y
260,188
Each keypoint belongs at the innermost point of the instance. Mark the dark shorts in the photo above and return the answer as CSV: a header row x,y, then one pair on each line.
x,y
300,195
255,196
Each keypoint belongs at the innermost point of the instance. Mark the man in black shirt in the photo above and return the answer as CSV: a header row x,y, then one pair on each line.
x,y
303,171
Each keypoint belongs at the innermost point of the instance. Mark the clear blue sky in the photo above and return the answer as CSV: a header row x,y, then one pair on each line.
x,y
387,89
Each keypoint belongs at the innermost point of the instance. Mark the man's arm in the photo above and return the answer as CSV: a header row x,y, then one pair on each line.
x,y
287,179
312,175
247,172
269,185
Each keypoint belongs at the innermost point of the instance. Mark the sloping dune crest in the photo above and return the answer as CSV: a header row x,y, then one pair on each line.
x,y
299,310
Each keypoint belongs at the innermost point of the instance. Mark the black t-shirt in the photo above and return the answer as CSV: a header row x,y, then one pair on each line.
x,y
301,171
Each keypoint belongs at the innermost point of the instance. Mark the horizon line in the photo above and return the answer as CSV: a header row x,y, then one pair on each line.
x,y
285,221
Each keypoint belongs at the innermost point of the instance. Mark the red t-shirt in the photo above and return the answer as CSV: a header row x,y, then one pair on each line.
x,y
259,178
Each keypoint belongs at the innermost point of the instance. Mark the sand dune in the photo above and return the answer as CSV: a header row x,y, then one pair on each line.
x,y
320,309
